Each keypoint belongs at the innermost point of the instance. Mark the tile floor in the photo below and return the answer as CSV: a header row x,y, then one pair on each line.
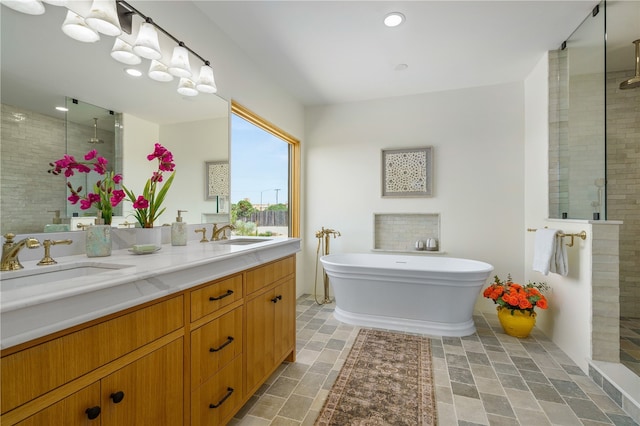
x,y
630,343
487,378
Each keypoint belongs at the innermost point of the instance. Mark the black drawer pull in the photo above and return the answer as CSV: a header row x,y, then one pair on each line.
x,y
93,412
229,392
117,397
275,299
229,340
228,293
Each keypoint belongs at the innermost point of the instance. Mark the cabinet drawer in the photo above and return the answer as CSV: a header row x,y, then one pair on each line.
x,y
75,354
214,345
262,276
71,411
219,398
214,296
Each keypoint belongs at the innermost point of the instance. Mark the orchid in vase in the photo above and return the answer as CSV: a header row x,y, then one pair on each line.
x,y
148,206
105,196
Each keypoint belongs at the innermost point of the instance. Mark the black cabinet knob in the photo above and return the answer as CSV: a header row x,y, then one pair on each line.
x,y
93,412
117,396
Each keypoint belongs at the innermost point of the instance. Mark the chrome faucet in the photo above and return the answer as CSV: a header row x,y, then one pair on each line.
x,y
10,250
215,236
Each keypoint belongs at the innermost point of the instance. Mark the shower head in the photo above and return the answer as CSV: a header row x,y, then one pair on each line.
x,y
95,139
634,81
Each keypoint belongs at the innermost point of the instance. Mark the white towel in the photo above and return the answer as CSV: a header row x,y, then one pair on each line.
x,y
545,250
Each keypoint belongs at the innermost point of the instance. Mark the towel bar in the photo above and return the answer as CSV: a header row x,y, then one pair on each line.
x,y
582,235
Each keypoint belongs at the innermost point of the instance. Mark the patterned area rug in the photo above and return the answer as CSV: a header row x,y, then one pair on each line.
x,y
386,380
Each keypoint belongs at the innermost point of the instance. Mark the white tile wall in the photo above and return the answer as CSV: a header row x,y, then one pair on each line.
x,y
400,231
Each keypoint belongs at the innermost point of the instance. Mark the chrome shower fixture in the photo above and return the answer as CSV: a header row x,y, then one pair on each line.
x,y
634,81
95,138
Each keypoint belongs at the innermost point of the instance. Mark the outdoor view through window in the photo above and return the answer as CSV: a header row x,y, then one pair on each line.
x,y
259,180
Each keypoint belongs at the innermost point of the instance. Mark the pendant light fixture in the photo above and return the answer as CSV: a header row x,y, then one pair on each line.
x,y
30,7
187,87
180,62
123,52
111,18
147,44
159,72
103,17
75,27
206,82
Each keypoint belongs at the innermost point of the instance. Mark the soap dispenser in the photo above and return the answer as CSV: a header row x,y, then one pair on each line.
x,y
179,231
56,224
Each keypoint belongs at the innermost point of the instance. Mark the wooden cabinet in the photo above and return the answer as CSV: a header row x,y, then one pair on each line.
x,y
138,352
270,322
81,408
192,358
147,392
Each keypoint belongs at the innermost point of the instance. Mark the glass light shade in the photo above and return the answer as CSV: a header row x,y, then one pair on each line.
x,y
123,52
187,87
180,62
56,2
30,7
75,27
103,17
159,72
146,44
206,83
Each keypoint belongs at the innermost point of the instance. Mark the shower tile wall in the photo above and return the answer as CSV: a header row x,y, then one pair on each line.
x,y
28,142
399,232
623,184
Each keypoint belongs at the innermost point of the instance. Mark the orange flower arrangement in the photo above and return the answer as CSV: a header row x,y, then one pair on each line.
x,y
517,296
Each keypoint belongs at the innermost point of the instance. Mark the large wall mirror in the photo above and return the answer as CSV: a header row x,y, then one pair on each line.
x,y
41,68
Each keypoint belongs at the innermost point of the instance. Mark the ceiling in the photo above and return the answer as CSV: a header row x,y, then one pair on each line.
x,y
321,52
328,52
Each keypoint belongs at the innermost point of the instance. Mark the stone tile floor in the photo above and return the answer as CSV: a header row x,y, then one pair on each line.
x,y
487,378
630,343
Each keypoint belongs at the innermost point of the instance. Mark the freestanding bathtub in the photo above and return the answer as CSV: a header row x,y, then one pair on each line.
x,y
422,294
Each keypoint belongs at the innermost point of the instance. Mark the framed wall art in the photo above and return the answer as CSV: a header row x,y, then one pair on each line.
x,y
407,172
217,179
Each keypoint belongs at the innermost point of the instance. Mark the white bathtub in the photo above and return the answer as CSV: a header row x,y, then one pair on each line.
x,y
422,294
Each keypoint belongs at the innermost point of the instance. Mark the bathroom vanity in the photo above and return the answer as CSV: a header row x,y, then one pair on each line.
x,y
183,336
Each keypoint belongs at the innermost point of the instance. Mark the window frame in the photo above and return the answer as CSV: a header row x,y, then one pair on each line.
x,y
294,161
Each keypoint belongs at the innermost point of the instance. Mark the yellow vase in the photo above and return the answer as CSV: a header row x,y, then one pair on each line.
x,y
518,324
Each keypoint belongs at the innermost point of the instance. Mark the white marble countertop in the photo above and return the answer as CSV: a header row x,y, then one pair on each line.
x,y
32,310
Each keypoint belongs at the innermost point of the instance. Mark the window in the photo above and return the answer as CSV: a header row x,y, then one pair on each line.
x,y
265,176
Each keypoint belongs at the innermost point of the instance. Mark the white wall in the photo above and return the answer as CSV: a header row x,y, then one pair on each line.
x,y
567,321
192,144
478,140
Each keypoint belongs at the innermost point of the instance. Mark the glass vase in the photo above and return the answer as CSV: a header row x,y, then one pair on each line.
x,y
145,236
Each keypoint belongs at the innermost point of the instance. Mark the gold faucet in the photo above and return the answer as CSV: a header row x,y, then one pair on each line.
x,y
11,249
47,259
204,237
216,232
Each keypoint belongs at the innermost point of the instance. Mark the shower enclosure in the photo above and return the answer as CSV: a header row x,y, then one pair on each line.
x,y
594,142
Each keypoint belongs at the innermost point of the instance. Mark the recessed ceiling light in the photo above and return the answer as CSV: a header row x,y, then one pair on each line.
x,y
133,72
393,19
61,108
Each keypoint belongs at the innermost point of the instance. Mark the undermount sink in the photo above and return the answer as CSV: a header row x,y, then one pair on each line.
x,y
48,274
243,241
